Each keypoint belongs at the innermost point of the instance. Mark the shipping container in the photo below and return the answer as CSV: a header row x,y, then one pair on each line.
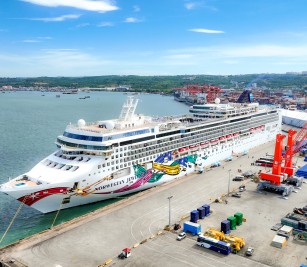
x,y
279,241
302,225
233,222
289,222
193,228
225,227
296,217
239,217
207,209
194,216
201,212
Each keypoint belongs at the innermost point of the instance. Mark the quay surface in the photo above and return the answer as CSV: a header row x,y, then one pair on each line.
x,y
139,220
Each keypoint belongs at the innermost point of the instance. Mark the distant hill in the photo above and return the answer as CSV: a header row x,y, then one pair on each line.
x,y
163,83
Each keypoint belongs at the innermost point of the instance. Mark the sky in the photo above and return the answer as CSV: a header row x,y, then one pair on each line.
x,y
151,37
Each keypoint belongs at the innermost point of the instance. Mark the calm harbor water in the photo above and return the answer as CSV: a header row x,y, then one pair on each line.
x,y
29,125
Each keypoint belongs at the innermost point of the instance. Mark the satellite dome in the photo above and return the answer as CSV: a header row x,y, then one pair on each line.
x,y
217,101
81,123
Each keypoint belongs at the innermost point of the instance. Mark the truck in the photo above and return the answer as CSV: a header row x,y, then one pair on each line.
x,y
193,228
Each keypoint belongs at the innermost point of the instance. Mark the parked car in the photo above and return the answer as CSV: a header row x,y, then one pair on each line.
x,y
236,195
242,188
121,256
238,178
249,251
181,236
177,226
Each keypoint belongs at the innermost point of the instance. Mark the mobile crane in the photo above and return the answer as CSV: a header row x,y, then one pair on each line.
x,y
236,242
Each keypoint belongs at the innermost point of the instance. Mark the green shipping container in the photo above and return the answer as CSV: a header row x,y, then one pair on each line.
x,y
239,217
233,222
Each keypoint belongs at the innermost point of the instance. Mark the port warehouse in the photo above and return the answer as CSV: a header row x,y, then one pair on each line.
x,y
294,118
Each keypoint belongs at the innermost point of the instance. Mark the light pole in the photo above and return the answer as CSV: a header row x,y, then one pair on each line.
x,y
229,180
169,210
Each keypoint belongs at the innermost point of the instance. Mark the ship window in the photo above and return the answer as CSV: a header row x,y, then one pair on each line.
x,y
99,166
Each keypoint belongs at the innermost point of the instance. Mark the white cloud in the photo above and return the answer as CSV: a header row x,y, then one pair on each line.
x,y
205,31
44,38
136,8
190,5
179,56
57,19
36,39
265,51
199,4
105,24
30,41
131,20
89,5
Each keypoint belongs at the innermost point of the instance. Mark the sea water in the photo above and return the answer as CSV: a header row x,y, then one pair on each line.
x,y
29,125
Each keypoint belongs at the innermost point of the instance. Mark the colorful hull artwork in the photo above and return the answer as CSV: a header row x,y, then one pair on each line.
x,y
158,170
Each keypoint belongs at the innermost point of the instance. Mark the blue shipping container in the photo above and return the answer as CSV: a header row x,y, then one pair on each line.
x,y
194,216
207,209
225,227
193,228
201,211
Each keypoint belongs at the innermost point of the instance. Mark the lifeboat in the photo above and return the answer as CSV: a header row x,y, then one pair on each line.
x,y
205,144
214,141
251,129
182,149
194,147
228,136
235,134
222,138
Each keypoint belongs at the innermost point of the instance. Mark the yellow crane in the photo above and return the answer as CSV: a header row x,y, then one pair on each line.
x,y
211,232
235,242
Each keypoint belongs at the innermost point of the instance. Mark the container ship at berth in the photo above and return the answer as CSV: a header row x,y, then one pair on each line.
x,y
108,159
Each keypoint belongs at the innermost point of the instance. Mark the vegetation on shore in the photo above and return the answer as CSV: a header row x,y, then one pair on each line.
x,y
163,83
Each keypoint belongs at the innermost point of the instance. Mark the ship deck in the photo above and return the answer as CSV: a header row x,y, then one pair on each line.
x,y
139,221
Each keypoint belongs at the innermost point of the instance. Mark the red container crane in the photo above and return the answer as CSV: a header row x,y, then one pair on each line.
x,y
275,177
288,168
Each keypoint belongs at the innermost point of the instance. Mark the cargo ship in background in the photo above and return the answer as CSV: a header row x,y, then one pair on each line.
x,y
112,158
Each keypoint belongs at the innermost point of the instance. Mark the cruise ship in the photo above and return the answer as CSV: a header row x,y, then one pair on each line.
x,y
112,158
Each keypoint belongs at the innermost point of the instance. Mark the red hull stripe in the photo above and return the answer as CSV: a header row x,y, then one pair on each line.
x,y
37,196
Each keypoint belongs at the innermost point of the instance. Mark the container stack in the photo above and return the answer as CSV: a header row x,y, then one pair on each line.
x,y
202,212
289,222
225,227
194,216
233,222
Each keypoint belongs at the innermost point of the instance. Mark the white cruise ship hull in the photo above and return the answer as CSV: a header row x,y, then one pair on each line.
x,y
90,185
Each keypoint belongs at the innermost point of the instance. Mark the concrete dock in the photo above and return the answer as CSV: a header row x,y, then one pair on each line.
x,y
139,221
